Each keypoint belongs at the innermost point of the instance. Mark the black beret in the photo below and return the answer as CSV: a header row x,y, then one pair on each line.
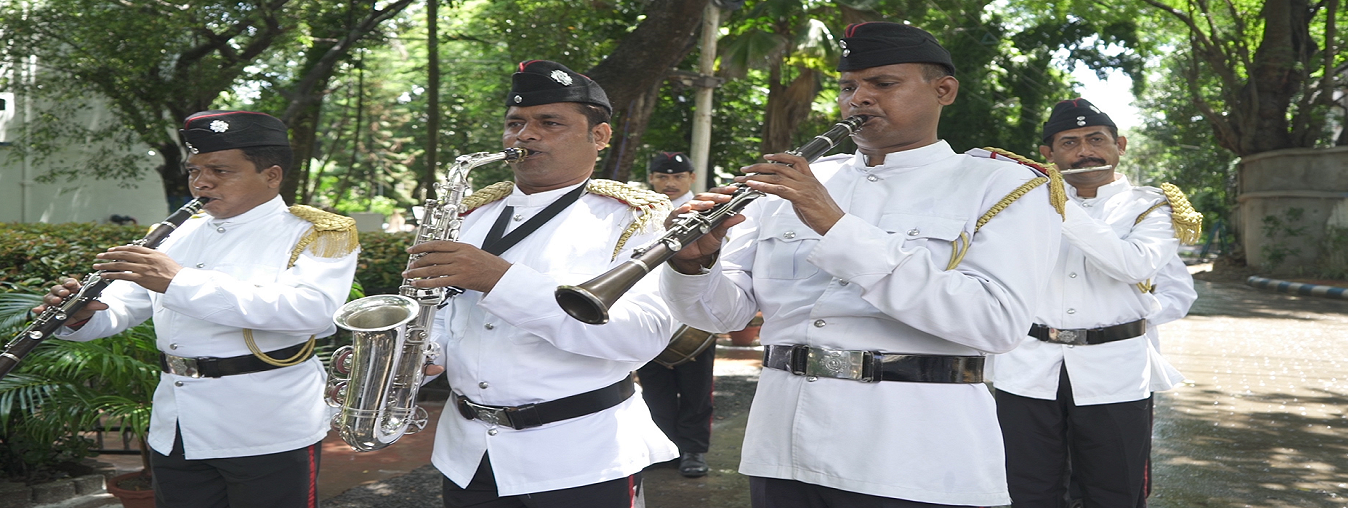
x,y
670,162
213,131
543,82
1073,114
877,43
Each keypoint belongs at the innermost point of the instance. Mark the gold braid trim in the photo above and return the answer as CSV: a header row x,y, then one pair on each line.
x,y
960,246
1057,192
331,236
1188,222
489,194
653,207
294,360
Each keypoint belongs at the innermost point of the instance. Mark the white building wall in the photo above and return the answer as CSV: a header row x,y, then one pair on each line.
x,y
24,199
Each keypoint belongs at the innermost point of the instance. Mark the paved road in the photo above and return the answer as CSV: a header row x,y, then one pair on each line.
x,y
1261,424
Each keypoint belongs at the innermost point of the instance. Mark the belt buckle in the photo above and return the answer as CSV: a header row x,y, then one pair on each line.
x,y
838,363
182,366
1066,336
495,417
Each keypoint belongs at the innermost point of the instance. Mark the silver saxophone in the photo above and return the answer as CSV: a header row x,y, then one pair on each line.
x,y
374,381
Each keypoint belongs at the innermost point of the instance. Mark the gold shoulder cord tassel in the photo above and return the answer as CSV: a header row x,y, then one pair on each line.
x,y
331,236
1187,222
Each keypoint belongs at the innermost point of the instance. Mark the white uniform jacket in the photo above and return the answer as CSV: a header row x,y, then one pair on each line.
x,y
234,276
878,281
516,346
1104,255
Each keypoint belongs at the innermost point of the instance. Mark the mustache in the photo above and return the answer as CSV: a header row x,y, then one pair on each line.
x,y
1088,162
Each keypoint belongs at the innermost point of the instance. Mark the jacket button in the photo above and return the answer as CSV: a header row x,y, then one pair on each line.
x,y
489,326
220,229
177,383
201,265
173,346
789,235
913,232
1072,275
491,432
872,178
482,385
1071,311
811,378
819,323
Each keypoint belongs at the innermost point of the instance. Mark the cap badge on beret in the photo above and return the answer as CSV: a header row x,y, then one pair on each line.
x,y
518,99
1081,120
219,126
846,51
561,76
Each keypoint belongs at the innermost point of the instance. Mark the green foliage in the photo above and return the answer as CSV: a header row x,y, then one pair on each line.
x,y
383,257
62,389
42,254
1333,262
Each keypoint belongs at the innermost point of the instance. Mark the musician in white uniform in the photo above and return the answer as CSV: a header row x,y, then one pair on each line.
x,y
543,412
680,397
230,426
880,295
1077,391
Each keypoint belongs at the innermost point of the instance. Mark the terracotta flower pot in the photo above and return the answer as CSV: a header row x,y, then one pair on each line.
x,y
749,335
132,498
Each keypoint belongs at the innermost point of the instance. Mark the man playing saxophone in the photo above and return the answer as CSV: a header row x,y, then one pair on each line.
x,y
881,288
542,409
237,296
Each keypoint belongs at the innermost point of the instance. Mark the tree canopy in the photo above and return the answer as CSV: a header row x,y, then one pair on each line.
x,y
352,79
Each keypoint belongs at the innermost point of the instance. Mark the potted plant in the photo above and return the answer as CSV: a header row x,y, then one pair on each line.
x,y
64,388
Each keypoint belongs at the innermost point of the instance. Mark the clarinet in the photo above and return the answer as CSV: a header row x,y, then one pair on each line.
x,y
93,284
589,302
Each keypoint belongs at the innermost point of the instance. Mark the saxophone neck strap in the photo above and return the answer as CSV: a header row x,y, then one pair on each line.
x,y
497,242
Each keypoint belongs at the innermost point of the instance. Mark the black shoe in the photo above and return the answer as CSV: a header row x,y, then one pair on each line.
x,y
693,465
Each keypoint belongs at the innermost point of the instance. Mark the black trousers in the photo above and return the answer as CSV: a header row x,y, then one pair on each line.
x,y
481,493
680,400
779,493
1105,448
276,480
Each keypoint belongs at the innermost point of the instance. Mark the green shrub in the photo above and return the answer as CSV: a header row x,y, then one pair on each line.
x,y
38,255
383,257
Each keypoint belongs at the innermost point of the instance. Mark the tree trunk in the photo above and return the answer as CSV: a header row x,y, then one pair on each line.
x,y
788,105
177,191
661,40
427,184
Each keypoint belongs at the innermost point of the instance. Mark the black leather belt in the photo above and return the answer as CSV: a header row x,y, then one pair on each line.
x,y
208,366
1086,337
873,366
534,415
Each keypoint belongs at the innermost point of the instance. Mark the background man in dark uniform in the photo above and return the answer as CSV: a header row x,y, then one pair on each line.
x,y
680,397
231,427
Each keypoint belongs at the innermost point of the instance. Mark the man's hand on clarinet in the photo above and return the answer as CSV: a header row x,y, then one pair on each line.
x,y
702,253
789,177
60,292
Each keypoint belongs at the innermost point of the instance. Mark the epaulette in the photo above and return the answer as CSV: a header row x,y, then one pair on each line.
x,y
489,194
331,236
652,207
1057,190
1187,222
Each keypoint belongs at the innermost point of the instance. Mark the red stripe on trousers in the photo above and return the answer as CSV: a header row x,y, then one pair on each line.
x,y
313,479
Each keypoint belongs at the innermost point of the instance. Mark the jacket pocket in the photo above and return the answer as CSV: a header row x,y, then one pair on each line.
x,y
783,244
